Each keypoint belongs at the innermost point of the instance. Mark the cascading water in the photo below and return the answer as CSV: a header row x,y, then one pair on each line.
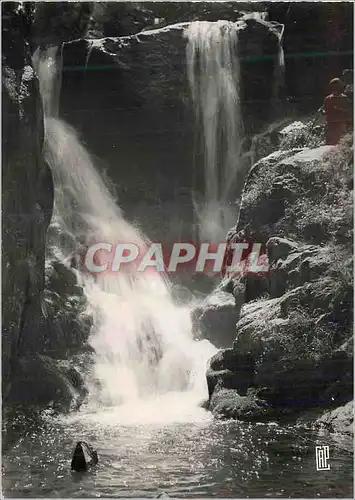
x,y
214,77
279,68
143,341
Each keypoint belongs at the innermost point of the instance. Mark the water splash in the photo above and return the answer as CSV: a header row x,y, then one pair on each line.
x,y
143,341
47,63
214,76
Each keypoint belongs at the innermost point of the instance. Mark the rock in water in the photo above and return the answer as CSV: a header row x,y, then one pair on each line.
x,y
162,495
84,456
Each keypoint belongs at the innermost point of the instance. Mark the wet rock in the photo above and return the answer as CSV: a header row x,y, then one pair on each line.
x,y
227,403
340,420
68,325
273,189
294,355
216,318
126,19
84,457
42,381
301,265
278,248
230,370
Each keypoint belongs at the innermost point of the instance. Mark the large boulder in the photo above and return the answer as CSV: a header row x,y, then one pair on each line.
x,y
277,183
229,370
288,351
227,403
27,197
215,318
294,342
285,197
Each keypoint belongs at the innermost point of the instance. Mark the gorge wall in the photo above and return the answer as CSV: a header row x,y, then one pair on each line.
x,y
27,197
28,324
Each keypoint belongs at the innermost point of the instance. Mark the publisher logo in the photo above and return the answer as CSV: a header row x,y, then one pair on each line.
x,y
322,457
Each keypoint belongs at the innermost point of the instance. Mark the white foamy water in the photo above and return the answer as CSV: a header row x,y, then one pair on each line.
x,y
214,76
146,357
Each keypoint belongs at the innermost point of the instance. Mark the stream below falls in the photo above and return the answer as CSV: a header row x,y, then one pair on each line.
x,y
168,445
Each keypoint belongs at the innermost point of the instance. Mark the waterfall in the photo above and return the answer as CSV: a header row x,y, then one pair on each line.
x,y
143,341
279,68
214,76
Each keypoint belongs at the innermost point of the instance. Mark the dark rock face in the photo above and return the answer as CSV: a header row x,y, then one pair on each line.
x,y
216,317
129,98
40,380
126,18
84,457
297,332
318,41
295,357
230,371
228,403
56,22
27,199
65,305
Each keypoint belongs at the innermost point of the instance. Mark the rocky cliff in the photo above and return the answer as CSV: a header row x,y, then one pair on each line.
x,y
129,98
27,202
293,345
27,196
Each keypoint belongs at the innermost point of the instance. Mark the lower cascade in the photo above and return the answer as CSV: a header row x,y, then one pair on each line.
x,y
143,341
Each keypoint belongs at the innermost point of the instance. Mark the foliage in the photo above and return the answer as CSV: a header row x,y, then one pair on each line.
x,y
328,208
309,201
300,135
305,338
65,306
56,22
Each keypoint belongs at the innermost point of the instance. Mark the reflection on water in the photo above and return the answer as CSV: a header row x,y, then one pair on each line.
x,y
182,452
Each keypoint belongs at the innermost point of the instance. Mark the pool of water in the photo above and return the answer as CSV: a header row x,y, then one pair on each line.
x,y
169,446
